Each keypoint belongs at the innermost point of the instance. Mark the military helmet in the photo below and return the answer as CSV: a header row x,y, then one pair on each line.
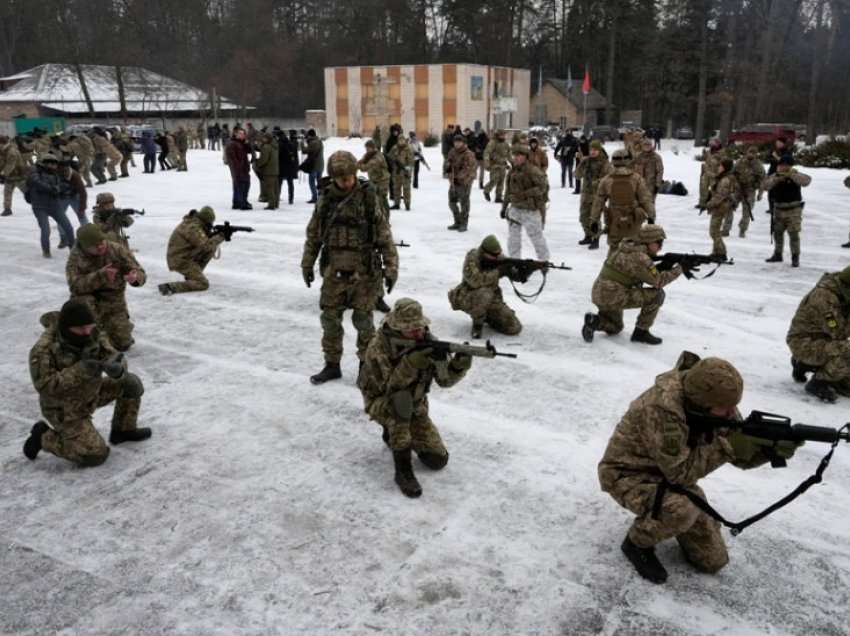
x,y
104,198
491,245
89,235
342,164
596,144
207,215
521,149
406,315
650,233
621,157
713,382
48,157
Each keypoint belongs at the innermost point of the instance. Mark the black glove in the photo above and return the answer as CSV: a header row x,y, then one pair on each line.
x,y
114,366
594,228
309,276
389,282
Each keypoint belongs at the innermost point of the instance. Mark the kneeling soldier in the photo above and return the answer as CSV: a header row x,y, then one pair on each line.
x,y
75,371
110,219
671,437
190,249
395,379
479,294
629,280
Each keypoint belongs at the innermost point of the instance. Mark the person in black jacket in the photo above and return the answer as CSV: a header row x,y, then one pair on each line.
x,y
44,190
162,142
481,141
565,152
287,156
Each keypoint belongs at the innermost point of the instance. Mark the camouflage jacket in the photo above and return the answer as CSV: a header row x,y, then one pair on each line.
x,y
623,196
527,188
799,178
401,158
652,442
496,154
13,165
190,242
81,147
749,173
631,266
112,224
460,167
475,276
650,166
724,195
85,274
351,232
824,313
711,162
387,369
64,387
590,171
538,158
375,166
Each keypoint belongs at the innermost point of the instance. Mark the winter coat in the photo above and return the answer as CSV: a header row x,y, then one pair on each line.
x,y
315,151
44,189
287,157
147,143
236,155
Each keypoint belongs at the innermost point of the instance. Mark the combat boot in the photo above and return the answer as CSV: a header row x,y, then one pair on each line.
x,y
165,289
8,212
645,562
795,260
591,324
62,244
135,435
643,335
742,234
594,244
847,244
486,196
586,240
434,461
477,328
407,207
461,228
33,443
396,206
330,372
453,226
821,390
776,258
46,253
382,306
404,476
799,370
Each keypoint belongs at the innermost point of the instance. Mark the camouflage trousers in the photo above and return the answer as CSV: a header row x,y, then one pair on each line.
x,y
74,437
830,358
706,182
418,432
459,203
98,167
497,181
485,305
9,190
193,271
85,170
270,191
748,201
715,230
181,160
111,162
481,172
697,533
790,221
585,212
532,222
612,298
401,187
112,317
358,293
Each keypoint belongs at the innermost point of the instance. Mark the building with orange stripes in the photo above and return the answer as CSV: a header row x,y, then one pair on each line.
x,y
425,97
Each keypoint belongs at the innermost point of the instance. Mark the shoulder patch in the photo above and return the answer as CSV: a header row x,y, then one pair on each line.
x,y
831,322
653,270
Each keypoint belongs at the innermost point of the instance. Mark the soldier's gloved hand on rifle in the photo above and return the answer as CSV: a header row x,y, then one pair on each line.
x,y
420,358
309,276
461,362
746,447
515,273
114,366
389,282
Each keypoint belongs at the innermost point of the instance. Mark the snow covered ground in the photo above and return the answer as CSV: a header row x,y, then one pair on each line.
x,y
265,505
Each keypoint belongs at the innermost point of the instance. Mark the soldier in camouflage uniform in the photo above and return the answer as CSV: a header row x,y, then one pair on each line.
x,y
374,164
624,199
537,156
785,188
83,149
629,280
460,169
669,436
749,172
709,172
397,373
267,168
357,255
181,148
479,294
13,172
525,205
649,165
496,161
846,185
722,201
98,272
818,337
590,171
190,249
401,158
75,371
106,215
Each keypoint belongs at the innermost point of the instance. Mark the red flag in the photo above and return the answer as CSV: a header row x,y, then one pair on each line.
x,y
585,86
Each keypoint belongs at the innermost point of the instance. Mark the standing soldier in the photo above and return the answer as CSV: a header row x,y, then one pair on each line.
x,y
357,253
98,272
267,167
818,337
629,280
181,144
709,171
785,189
537,155
479,294
173,156
401,159
110,219
496,157
749,173
190,249
662,441
460,169
374,164
13,172
525,205
75,371
589,173
722,201
623,197
650,166
398,370
83,149
121,141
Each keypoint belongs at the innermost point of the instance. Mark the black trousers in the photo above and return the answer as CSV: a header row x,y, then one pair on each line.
x,y
416,173
163,162
566,169
290,187
150,163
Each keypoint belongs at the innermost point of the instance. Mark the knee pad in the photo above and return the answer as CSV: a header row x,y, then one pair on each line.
x,y
660,295
362,320
402,403
132,387
94,459
434,461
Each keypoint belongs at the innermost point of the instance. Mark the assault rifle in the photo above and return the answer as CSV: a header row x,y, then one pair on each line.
x,y
690,262
519,270
228,230
402,244
442,349
128,212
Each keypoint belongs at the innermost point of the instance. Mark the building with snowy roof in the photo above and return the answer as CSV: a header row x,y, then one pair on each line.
x,y
70,90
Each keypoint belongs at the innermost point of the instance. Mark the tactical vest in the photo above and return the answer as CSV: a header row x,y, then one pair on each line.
x,y
786,191
347,228
621,216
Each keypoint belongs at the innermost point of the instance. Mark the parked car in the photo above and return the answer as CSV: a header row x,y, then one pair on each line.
x,y
684,132
763,134
604,133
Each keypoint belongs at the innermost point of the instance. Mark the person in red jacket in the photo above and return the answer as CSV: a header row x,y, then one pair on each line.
x,y
236,157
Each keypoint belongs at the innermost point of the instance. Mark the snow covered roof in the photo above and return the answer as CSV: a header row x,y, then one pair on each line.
x,y
56,86
595,99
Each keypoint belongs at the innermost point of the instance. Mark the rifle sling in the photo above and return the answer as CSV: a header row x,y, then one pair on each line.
x,y
737,528
529,299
